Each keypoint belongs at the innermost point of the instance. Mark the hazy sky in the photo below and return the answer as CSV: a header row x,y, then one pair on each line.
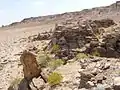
x,y
16,10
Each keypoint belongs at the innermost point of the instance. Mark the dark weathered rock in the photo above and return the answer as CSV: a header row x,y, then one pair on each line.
x,y
22,85
104,23
73,36
85,77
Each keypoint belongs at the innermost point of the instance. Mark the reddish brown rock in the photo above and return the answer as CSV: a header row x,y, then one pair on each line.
x,y
30,66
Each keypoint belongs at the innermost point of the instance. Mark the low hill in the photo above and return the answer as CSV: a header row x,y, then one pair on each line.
x,y
111,11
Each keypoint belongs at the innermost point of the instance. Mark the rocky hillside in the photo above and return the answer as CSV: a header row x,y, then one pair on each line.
x,y
70,51
112,11
76,56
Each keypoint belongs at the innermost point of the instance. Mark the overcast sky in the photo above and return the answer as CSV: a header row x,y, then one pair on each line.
x,y
16,10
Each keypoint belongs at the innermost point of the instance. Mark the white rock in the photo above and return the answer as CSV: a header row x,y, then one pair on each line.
x,y
107,65
117,81
90,84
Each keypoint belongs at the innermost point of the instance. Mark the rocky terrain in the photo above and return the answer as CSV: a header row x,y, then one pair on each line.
x,y
70,51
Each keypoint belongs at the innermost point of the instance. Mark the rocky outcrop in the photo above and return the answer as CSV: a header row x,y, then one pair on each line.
x,y
90,35
100,73
104,23
30,66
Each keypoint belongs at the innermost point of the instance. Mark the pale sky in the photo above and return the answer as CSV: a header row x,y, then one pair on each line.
x,y
16,10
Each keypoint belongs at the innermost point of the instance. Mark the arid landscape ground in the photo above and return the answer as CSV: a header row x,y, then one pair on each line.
x,y
99,71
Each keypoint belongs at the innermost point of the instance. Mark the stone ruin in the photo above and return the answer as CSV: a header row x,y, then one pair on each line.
x,y
86,37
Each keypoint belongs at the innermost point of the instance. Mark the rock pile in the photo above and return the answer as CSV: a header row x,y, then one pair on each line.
x,y
100,72
90,35
40,36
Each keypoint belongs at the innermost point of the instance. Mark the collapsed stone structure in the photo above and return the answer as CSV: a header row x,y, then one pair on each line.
x,y
89,37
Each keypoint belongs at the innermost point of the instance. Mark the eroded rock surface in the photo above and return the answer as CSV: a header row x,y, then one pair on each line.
x,y
95,33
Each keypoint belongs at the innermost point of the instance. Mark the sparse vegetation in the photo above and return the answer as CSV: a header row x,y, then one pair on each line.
x,y
96,53
43,59
55,48
56,63
15,82
54,78
82,56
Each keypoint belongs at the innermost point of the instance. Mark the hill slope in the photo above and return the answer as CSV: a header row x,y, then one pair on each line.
x,y
17,38
111,11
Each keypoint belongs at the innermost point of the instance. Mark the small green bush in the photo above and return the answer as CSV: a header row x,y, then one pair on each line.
x,y
55,48
82,56
54,78
96,53
55,63
43,59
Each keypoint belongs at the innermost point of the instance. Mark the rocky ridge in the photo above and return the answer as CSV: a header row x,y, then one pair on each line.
x,y
89,48
111,11
89,37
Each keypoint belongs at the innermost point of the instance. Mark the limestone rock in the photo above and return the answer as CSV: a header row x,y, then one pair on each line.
x,y
116,83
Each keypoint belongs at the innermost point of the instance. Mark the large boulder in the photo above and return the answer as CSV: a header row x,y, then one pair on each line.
x,y
30,66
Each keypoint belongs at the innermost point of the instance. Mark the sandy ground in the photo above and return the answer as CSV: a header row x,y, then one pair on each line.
x,y
10,45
